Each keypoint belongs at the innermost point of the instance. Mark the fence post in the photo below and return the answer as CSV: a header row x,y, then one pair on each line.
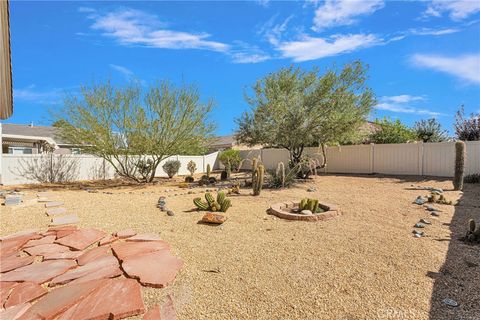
x,y
420,158
51,166
203,164
372,158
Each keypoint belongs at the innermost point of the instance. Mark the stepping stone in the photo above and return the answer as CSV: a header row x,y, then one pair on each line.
x,y
125,233
105,262
14,262
44,199
39,272
145,237
94,254
53,204
117,299
44,240
45,194
31,234
45,248
5,288
62,231
123,250
15,312
25,292
82,238
435,213
60,300
11,245
107,240
13,200
72,255
425,221
155,269
55,211
57,221
419,225
165,312
111,271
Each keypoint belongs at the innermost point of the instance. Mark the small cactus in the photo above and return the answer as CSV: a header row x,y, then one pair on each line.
x,y
303,204
257,179
460,155
221,197
225,205
281,173
209,198
209,170
201,205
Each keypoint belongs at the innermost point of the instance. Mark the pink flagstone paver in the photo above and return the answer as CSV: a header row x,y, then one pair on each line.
x,y
59,300
5,288
69,219
62,255
31,234
125,233
39,272
25,292
155,269
165,312
53,204
108,239
124,250
11,244
145,237
109,271
105,262
44,240
94,254
55,211
45,248
14,313
81,239
14,262
63,231
119,298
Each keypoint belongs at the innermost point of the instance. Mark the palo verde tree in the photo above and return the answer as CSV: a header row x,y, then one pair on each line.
x,y
135,130
294,109
392,131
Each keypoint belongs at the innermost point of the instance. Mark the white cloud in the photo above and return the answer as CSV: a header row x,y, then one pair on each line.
x,y
456,9
263,3
126,72
135,27
343,12
433,32
312,48
403,98
33,95
399,108
465,67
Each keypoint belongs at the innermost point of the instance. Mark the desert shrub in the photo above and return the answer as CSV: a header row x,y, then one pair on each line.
x,y
192,167
230,158
49,168
277,181
472,178
171,167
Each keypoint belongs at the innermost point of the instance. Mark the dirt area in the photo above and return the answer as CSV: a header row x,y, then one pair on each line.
x,y
365,264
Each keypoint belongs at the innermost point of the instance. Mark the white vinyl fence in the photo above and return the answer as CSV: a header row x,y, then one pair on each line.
x,y
422,159
87,167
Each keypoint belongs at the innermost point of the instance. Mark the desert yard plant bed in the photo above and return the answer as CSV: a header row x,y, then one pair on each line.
x,y
293,210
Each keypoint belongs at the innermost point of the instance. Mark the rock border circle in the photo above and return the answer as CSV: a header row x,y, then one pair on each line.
x,y
283,210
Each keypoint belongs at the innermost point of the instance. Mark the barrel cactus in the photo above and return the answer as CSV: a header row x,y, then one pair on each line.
x,y
222,203
460,155
201,205
209,170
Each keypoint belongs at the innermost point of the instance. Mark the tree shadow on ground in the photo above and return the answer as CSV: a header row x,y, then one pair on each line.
x,y
459,277
399,178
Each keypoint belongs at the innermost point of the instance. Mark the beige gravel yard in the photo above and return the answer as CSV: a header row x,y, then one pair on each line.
x,y
364,264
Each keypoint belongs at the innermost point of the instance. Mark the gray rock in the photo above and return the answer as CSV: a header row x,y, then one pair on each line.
x,y
420,200
418,234
419,225
430,208
450,302
435,213
306,212
170,213
311,189
425,221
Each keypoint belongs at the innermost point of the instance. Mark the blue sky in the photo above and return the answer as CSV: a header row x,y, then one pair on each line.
x,y
424,57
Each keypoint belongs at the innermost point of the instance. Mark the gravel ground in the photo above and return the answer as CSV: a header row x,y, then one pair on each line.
x,y
364,264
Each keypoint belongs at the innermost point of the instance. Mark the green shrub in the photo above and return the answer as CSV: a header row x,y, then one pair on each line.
x,y
191,167
279,179
171,167
230,159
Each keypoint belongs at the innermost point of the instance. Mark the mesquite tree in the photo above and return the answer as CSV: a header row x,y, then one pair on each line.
x,y
135,130
294,109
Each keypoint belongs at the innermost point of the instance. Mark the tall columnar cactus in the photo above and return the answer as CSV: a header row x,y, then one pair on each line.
x,y
254,167
460,155
257,179
221,197
228,169
281,173
209,170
